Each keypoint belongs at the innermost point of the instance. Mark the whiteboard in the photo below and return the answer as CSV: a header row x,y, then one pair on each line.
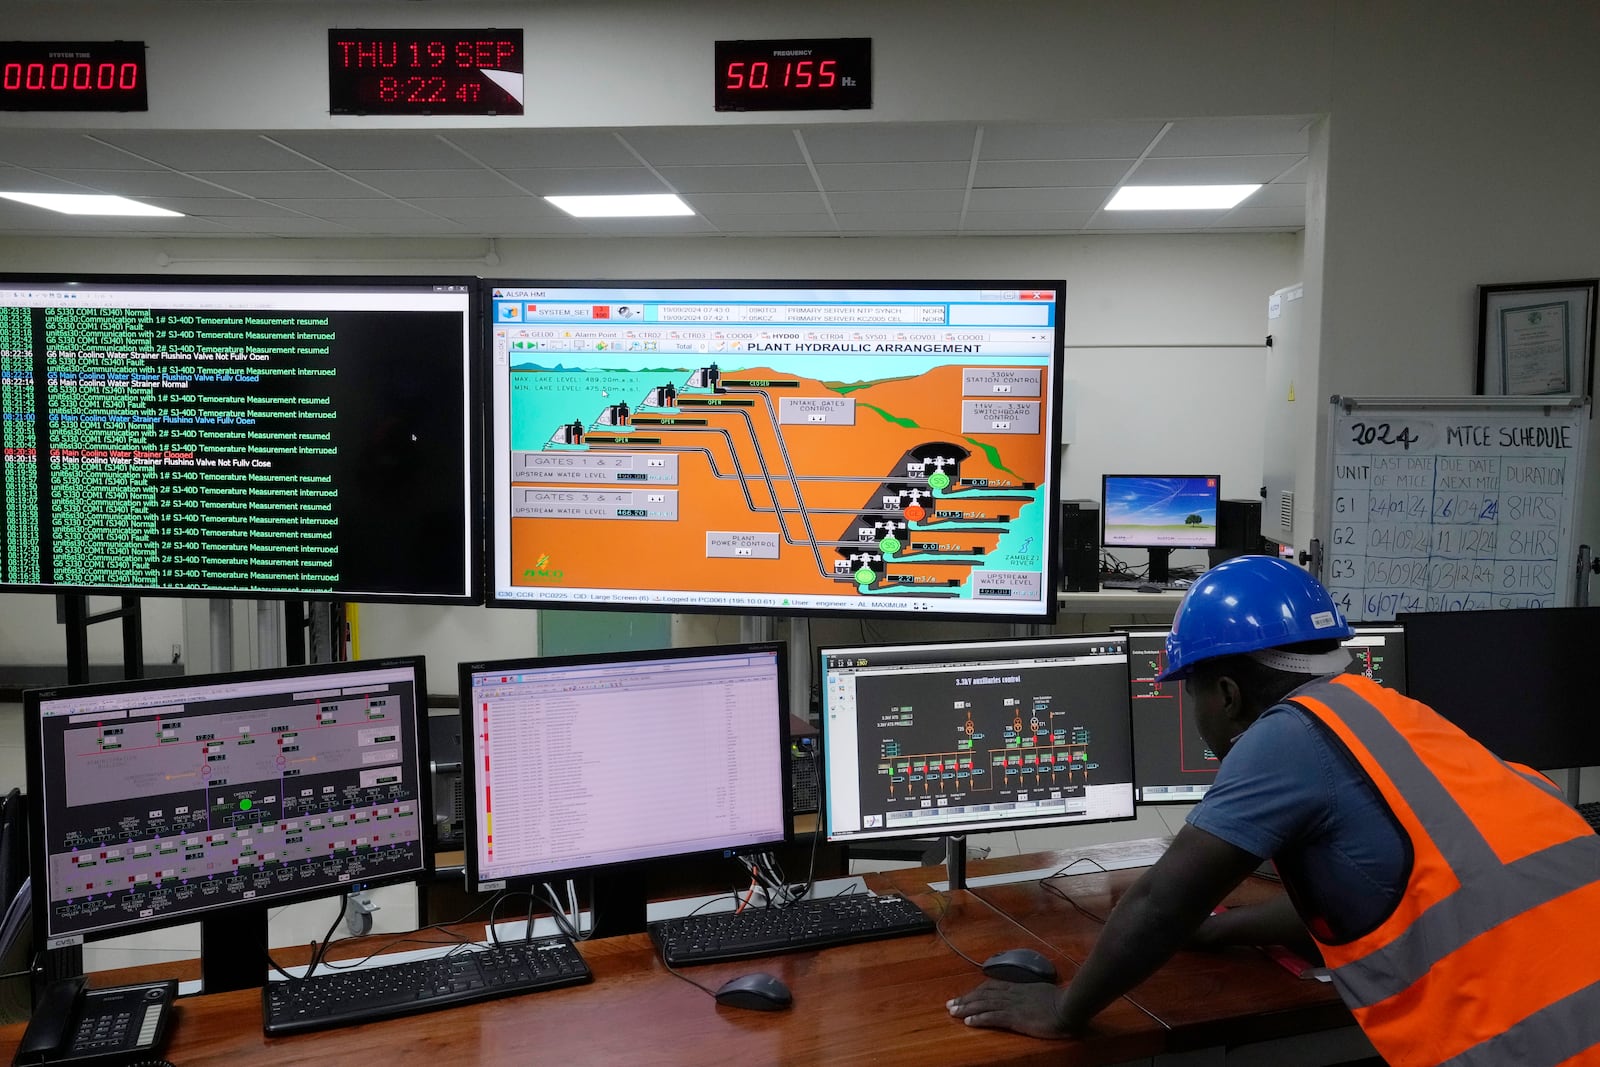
x,y
1452,504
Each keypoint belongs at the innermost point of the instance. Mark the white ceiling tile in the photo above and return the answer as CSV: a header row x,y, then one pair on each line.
x,y
1040,173
520,149
588,181
292,227
483,208
716,144
678,226
911,143
205,149
739,179
417,227
23,180
899,222
1025,221
137,183
1155,221
1279,195
1257,136
1210,170
63,148
1037,199
286,184
226,207
774,225
410,183
901,200
520,224
1296,173
756,203
893,175
1281,217
1067,140
374,149
353,209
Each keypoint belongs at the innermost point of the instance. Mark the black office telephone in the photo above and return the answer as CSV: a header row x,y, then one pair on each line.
x,y
115,1027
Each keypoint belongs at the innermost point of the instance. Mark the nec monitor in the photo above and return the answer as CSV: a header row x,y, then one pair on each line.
x,y
578,763
955,737
266,437
1514,679
209,798
776,446
1172,763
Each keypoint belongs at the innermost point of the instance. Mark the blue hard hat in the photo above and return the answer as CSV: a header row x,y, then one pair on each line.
x,y
1246,604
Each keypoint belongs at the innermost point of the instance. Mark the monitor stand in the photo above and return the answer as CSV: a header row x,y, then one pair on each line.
x,y
1159,571
955,861
618,901
232,948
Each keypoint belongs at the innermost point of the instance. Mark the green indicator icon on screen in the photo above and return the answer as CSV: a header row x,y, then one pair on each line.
x,y
864,577
939,479
889,545
244,805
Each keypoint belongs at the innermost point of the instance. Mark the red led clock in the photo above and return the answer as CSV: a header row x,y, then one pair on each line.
x,y
425,72
73,76
833,74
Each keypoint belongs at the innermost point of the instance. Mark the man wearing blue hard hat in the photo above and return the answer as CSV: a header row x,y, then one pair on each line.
x,y
1452,895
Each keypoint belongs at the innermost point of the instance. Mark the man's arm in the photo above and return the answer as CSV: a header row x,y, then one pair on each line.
x,y
1272,923
1151,922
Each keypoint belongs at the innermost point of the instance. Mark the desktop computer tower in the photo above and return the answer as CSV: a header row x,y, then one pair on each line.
x,y
444,753
805,767
1238,530
1080,546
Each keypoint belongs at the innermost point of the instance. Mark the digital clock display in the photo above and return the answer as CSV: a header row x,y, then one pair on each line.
x,y
73,76
810,75
425,72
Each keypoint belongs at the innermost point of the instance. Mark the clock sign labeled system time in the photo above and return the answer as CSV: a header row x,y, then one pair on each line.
x,y
425,72
73,76
833,74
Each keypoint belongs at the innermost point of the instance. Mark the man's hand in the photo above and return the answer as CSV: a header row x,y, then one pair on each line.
x,y
1032,1008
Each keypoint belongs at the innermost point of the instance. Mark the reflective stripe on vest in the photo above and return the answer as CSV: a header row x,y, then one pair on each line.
x,y
1492,893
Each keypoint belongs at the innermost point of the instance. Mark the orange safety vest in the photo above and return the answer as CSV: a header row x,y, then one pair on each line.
x,y
1491,958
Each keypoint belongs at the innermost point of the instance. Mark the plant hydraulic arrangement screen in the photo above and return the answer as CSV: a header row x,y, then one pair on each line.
x,y
776,449
935,739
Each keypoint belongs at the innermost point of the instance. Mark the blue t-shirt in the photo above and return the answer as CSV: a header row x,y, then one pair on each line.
x,y
1290,792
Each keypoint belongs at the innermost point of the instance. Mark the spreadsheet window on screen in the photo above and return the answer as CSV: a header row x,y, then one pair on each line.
x,y
994,735
577,765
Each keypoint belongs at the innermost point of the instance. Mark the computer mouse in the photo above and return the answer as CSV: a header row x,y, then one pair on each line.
x,y
1019,965
759,992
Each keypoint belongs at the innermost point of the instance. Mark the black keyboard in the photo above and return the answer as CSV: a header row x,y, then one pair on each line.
x,y
1138,583
806,924
1591,814
345,998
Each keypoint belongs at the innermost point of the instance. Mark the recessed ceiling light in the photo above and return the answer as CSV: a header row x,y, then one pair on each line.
x,y
1179,197
89,204
634,206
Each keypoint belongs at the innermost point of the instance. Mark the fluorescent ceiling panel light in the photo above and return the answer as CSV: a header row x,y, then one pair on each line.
x,y
633,206
90,204
1179,197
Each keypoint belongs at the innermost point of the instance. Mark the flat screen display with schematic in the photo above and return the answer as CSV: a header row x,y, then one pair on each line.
x,y
951,737
599,763
1172,763
165,801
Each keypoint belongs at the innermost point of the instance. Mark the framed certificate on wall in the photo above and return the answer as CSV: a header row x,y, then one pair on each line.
x,y
1536,338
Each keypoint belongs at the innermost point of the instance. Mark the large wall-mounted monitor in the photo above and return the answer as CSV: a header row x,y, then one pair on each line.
x,y
951,737
1172,763
1514,679
208,798
775,447
282,437
578,763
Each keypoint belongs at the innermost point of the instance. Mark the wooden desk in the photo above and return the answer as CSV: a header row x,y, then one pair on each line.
x,y
880,1003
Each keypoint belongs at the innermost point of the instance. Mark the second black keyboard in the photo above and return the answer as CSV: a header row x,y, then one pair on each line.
x,y
345,998
1591,814
805,924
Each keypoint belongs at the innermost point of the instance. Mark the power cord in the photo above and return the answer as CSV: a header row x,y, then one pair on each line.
x,y
1045,884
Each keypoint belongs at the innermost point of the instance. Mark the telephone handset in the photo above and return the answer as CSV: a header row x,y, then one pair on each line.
x,y
83,1027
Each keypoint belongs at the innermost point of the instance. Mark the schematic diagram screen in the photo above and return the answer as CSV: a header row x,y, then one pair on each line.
x,y
1172,763
779,447
957,737
281,437
591,761
157,804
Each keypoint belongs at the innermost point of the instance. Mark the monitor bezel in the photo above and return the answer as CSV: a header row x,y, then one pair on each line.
x,y
1105,512
1051,575
472,438
38,848
471,771
825,820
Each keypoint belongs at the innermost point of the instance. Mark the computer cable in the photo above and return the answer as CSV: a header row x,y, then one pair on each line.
x,y
1045,884
938,928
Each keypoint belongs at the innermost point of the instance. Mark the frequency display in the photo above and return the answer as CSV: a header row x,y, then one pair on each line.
x,y
776,447
253,436
161,801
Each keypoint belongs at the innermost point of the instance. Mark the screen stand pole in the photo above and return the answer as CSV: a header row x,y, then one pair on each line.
x,y
1159,571
955,860
295,624
231,949
618,902
1574,775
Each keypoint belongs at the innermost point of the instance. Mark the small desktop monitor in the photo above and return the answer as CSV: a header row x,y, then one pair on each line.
x,y
952,737
1514,679
601,762
1172,763
210,798
1159,512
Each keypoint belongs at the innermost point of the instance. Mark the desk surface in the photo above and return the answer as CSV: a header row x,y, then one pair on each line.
x,y
880,1003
